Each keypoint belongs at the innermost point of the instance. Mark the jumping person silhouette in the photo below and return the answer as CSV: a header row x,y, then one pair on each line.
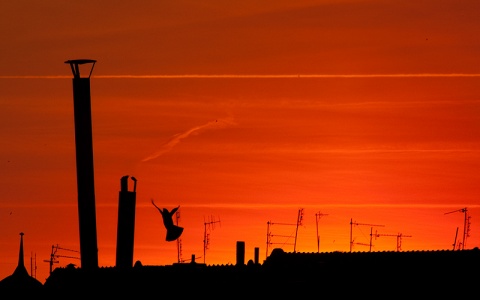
x,y
173,231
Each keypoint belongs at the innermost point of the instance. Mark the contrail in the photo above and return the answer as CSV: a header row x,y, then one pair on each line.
x,y
273,206
259,76
288,76
219,123
34,77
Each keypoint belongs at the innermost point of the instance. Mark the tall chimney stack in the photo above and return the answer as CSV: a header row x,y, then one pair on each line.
x,y
84,160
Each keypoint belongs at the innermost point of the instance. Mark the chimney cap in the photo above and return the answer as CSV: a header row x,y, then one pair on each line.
x,y
74,65
80,61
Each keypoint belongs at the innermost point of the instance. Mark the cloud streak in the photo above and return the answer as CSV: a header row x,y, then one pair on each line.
x,y
216,124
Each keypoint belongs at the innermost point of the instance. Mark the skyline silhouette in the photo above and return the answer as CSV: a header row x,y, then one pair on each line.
x,y
423,273
246,112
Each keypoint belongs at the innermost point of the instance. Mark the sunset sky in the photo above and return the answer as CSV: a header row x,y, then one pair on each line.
x,y
243,113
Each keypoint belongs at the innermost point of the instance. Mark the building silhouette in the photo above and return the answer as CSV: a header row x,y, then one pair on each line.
x,y
20,280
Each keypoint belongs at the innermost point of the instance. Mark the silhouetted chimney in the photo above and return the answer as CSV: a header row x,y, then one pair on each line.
x,y
126,223
84,160
257,255
240,253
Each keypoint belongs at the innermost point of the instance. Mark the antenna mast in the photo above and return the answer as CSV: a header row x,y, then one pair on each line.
x,y
355,223
54,256
466,227
210,225
179,240
33,265
399,239
317,217
299,222
269,234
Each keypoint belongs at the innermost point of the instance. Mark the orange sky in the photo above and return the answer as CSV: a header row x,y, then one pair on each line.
x,y
242,114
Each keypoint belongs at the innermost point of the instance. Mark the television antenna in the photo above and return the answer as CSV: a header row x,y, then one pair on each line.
x,y
466,227
318,215
54,256
399,238
179,240
356,224
208,226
